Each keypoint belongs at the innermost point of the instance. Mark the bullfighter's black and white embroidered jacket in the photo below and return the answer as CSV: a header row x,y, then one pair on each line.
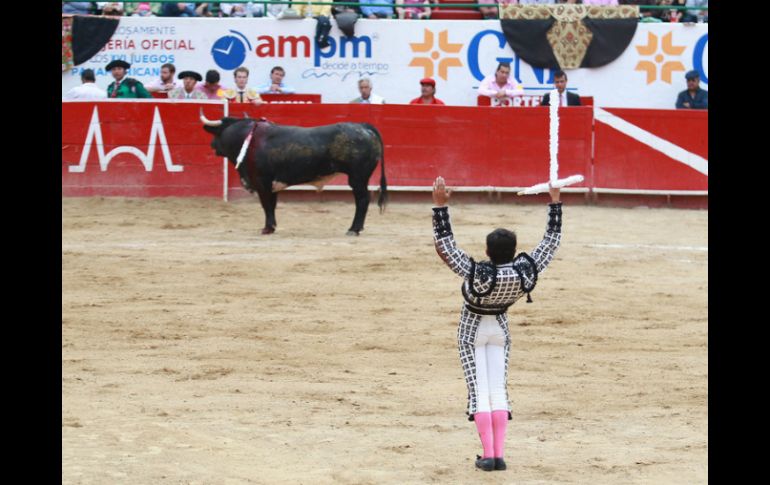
x,y
489,289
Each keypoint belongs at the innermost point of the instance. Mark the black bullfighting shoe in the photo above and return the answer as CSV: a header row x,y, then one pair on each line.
x,y
486,464
500,464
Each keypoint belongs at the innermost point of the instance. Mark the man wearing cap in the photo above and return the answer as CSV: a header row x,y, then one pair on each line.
x,y
187,91
428,91
124,87
693,97
211,88
242,93
87,90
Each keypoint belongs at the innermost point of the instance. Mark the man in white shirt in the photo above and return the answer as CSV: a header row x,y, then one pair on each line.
x,y
365,88
87,90
276,84
166,82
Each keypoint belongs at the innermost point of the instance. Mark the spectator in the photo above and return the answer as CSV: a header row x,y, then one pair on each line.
x,y
178,9
111,8
696,15
600,2
647,14
307,10
499,84
143,9
242,93
211,88
187,91
166,82
427,93
77,8
338,9
365,88
665,15
276,10
565,98
379,12
249,9
536,2
346,17
122,86
205,9
87,90
409,9
489,12
276,85
693,97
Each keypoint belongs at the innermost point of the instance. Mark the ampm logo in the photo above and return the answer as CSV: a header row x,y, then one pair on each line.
x,y
660,59
229,52
428,47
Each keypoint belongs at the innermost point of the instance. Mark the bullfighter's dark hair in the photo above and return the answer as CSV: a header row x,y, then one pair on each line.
x,y
501,246
170,67
559,73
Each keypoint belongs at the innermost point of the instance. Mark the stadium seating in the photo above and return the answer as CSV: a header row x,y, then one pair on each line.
x,y
450,12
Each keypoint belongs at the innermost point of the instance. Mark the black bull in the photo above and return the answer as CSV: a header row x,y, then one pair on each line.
x,y
280,156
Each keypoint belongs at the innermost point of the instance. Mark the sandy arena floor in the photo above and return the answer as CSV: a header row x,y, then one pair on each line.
x,y
195,351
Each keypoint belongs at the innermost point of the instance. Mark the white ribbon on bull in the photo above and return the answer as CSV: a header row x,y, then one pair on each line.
x,y
553,180
244,148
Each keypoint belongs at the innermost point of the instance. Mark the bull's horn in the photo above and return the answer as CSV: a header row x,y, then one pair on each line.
x,y
209,122
246,115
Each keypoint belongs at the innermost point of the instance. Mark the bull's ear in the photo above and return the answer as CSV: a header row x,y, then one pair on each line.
x,y
214,130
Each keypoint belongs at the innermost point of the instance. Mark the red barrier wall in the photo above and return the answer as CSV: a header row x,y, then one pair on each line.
x,y
623,161
130,124
470,146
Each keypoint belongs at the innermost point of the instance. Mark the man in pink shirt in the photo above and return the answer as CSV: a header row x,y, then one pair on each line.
x,y
499,85
211,88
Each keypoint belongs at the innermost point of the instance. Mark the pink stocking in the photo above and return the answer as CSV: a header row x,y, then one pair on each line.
x,y
499,426
484,426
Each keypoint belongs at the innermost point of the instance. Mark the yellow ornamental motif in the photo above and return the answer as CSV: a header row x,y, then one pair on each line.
x,y
427,63
667,67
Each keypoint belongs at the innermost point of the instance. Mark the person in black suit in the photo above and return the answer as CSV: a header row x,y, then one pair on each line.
x,y
560,82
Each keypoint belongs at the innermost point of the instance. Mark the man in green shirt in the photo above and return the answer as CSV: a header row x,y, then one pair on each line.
x,y
124,87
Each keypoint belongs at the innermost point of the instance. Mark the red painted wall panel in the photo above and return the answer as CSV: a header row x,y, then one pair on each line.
x,y
469,146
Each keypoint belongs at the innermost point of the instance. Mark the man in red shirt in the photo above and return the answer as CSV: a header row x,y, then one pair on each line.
x,y
428,89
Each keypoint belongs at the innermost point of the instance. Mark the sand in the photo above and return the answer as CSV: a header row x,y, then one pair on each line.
x,y
196,351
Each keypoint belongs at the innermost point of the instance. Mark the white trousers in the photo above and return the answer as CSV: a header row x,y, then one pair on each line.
x,y
490,366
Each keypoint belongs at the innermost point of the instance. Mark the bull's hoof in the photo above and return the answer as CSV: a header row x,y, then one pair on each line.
x,y
268,230
351,233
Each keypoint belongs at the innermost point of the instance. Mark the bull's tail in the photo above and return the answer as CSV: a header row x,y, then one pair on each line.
x,y
382,200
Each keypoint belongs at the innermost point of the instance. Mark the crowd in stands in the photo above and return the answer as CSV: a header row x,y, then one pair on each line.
x,y
385,9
